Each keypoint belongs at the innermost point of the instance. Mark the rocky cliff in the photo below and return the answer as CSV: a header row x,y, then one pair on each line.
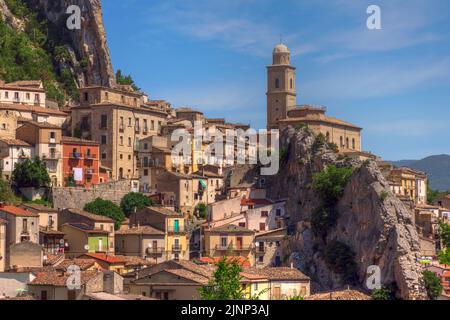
x,y
371,222
80,56
89,42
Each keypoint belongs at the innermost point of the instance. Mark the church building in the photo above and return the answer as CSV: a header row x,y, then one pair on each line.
x,y
283,111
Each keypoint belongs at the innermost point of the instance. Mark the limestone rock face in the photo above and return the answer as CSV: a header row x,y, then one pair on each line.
x,y
9,18
379,229
89,42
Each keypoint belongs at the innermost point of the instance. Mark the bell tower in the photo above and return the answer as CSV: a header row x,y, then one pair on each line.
x,y
281,86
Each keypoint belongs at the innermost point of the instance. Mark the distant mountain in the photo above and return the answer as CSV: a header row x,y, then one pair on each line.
x,y
437,167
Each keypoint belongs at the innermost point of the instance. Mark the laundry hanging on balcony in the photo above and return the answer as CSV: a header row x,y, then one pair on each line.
x,y
78,174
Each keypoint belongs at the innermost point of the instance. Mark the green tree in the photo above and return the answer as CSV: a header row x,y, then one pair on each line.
x,y
382,294
6,194
126,80
106,208
134,200
225,284
444,256
331,183
201,210
431,194
31,174
432,284
444,231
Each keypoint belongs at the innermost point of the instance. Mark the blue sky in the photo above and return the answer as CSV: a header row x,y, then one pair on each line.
x,y
211,55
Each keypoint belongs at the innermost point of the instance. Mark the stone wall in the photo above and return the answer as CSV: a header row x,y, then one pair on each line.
x,y
79,197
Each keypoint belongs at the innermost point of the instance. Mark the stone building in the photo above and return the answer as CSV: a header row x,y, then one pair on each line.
x,y
2,244
8,124
118,118
13,151
46,139
282,109
30,93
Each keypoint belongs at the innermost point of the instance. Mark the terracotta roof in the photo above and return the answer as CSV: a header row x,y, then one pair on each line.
x,y
32,109
77,141
144,230
132,261
83,227
17,211
259,202
204,270
38,207
279,273
183,273
42,125
104,257
84,264
230,228
242,261
340,295
25,83
59,279
15,142
91,216
165,211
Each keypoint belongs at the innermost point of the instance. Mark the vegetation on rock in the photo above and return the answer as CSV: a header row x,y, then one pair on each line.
x,y
6,194
432,284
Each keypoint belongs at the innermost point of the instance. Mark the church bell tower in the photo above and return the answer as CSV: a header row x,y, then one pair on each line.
x,y
281,86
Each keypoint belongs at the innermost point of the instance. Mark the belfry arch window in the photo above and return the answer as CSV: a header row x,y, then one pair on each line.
x,y
277,83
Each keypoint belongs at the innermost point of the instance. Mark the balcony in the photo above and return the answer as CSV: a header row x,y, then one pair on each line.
x,y
137,129
145,131
121,127
233,248
51,156
177,230
90,156
89,172
75,155
177,248
155,251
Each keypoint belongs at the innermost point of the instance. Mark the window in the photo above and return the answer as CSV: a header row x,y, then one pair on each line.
x,y
353,143
28,96
262,227
36,98
261,259
342,141
129,122
277,83
104,121
328,137
103,156
223,242
347,143
86,96
122,98
121,157
145,125
152,125
264,214
145,172
104,140
242,224
145,146
129,141
292,83
6,95
16,96
52,135
24,226
129,157
121,140
106,96
278,212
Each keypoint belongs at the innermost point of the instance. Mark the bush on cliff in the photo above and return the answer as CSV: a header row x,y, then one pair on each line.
x,y
432,284
331,183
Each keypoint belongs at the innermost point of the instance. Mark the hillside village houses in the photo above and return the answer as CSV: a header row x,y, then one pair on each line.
x,y
120,137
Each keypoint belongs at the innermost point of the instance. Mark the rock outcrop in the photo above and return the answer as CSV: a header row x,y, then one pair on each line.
x,y
371,221
89,42
7,16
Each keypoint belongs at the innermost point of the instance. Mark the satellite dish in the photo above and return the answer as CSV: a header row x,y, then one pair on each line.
x,y
61,241
86,247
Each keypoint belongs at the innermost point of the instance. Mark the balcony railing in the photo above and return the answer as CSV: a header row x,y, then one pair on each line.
x,y
90,156
233,248
177,230
155,251
89,172
177,248
75,155
51,156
